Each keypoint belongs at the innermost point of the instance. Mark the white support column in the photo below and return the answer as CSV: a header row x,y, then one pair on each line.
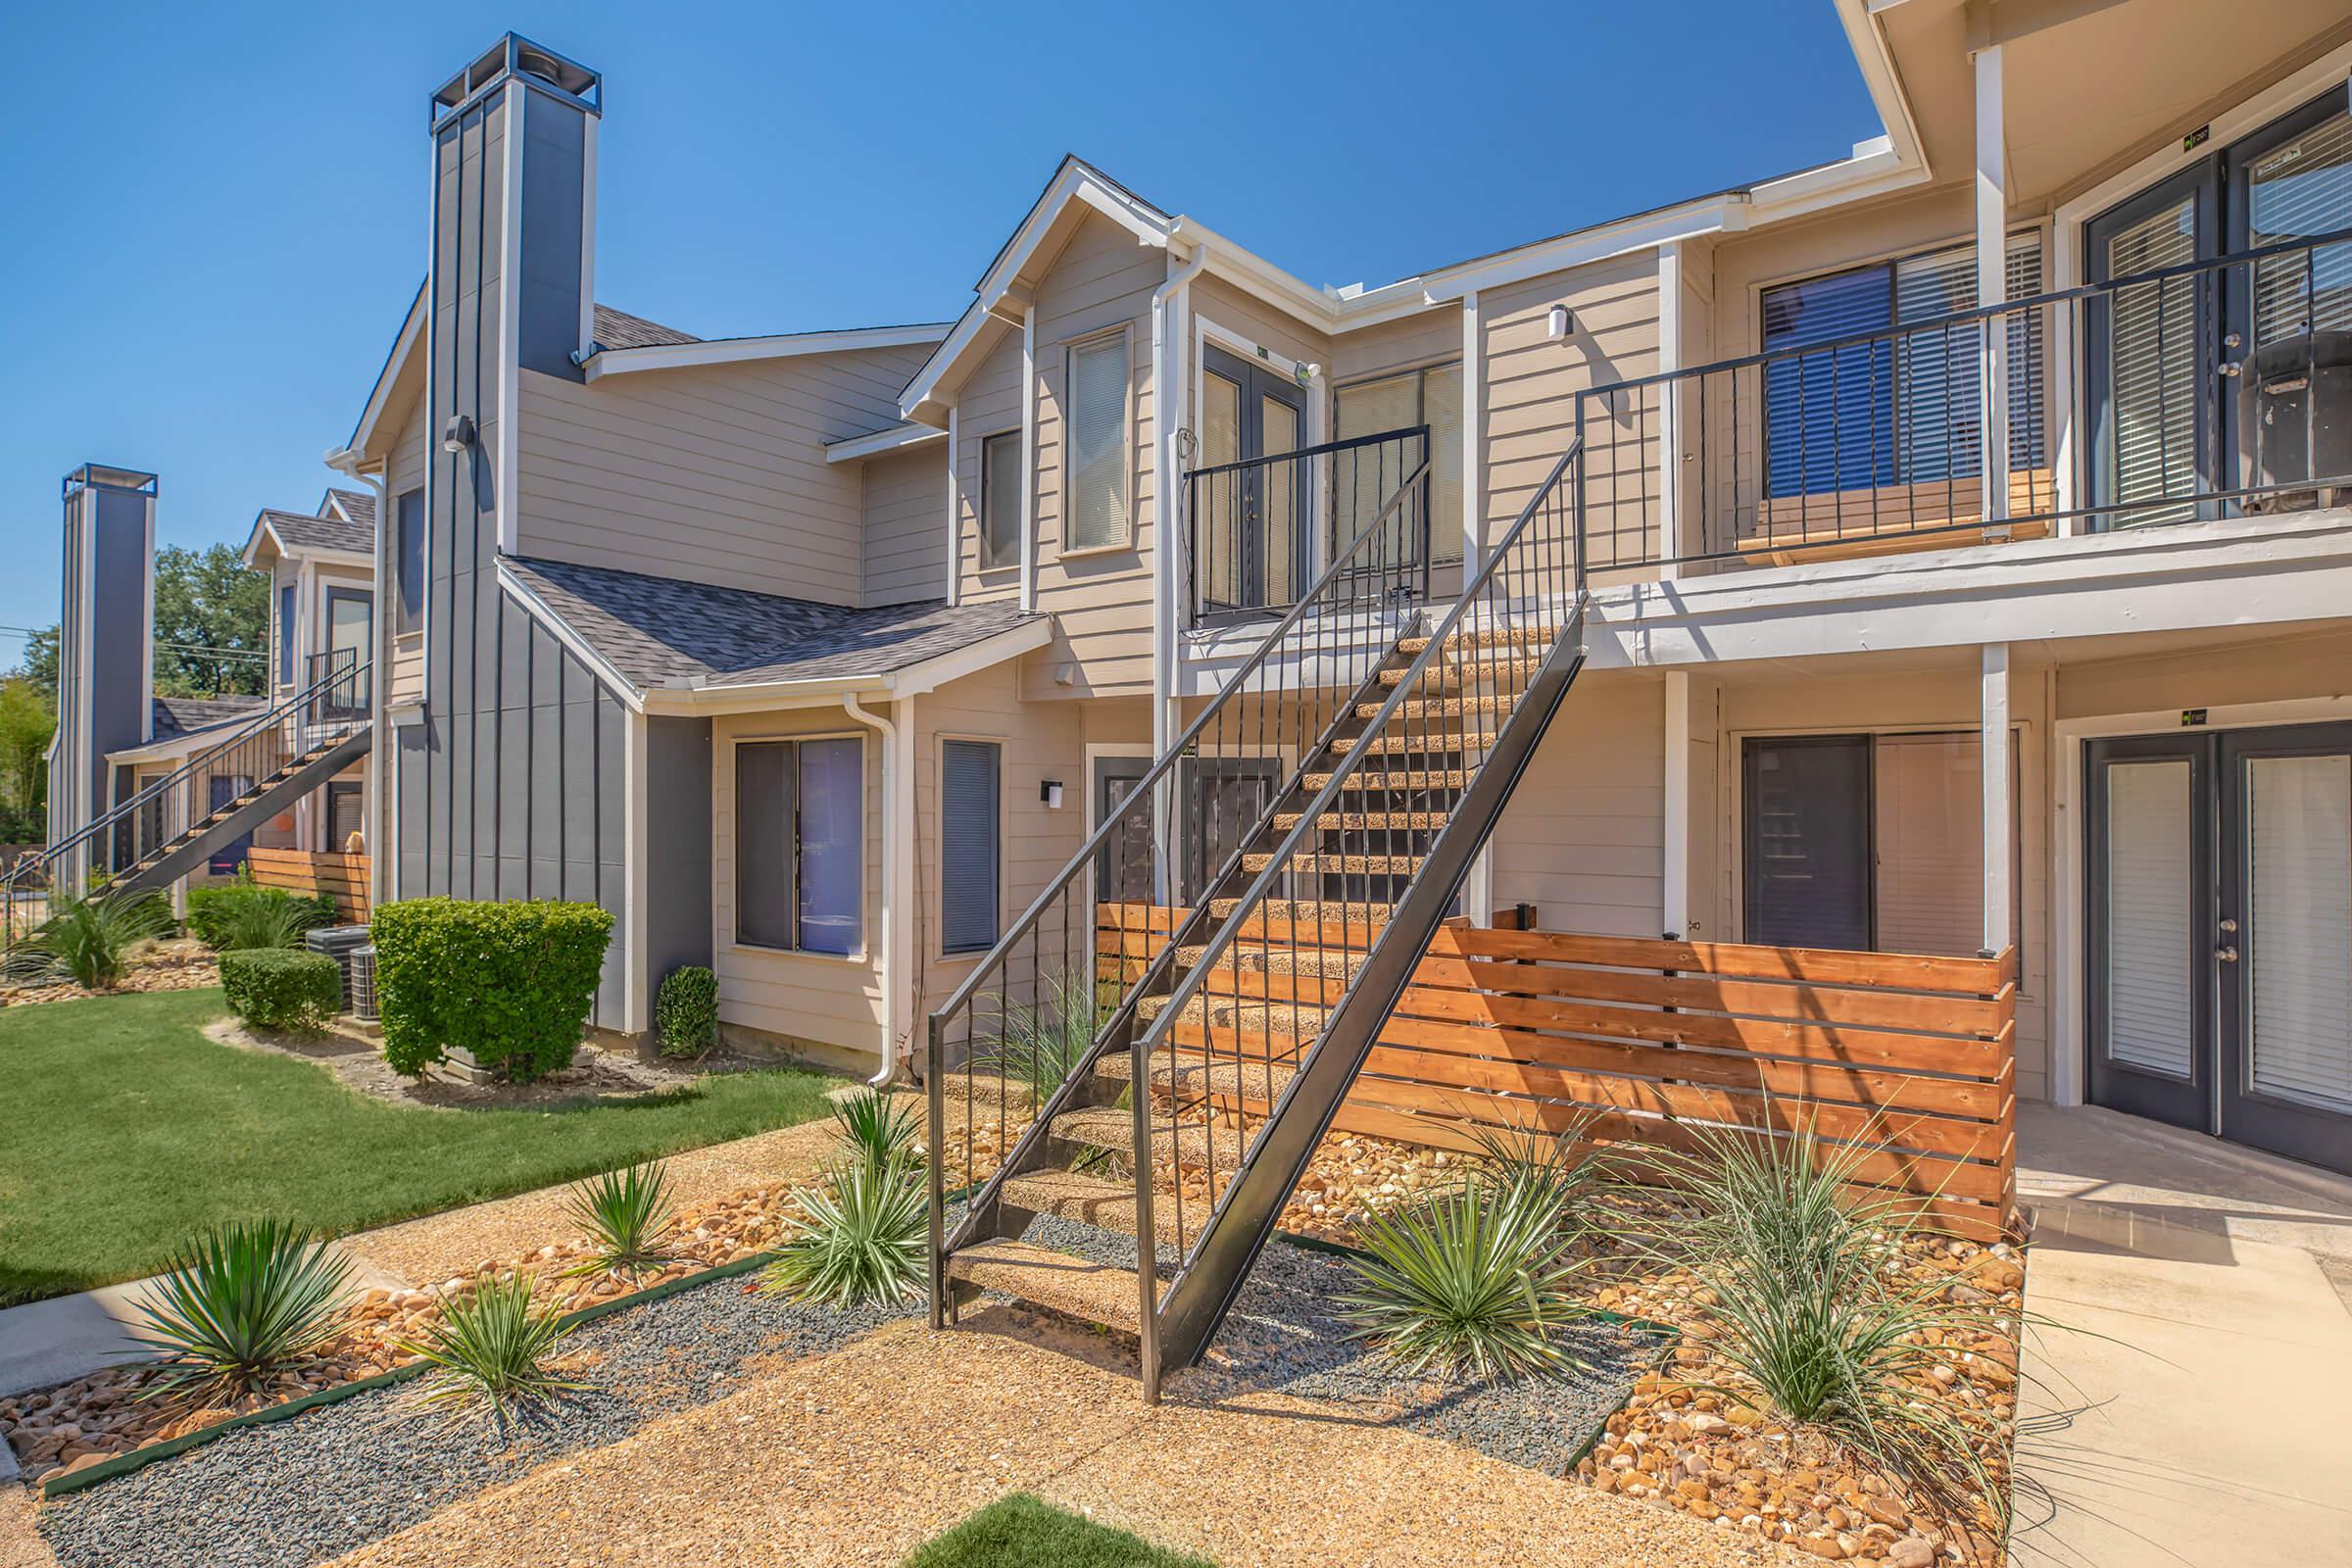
x,y
1673,899
1029,459
1670,430
1478,888
905,1003
1999,856
1992,261
955,516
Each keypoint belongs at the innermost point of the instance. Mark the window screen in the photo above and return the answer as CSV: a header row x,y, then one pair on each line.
x,y
1001,500
764,779
412,559
1097,444
969,779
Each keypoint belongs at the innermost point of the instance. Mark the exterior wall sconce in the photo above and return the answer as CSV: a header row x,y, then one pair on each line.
x,y
1562,323
458,434
1049,793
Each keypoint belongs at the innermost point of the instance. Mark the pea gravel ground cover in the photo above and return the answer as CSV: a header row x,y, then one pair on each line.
x,y
307,1490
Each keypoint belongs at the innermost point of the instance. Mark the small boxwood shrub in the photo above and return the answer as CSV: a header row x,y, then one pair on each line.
x,y
511,984
686,1012
215,912
281,988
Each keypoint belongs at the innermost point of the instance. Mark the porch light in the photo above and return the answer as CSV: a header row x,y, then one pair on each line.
x,y
1561,323
458,434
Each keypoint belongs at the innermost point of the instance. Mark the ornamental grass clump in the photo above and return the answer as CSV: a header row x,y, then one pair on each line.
x,y
88,941
878,1128
866,1240
630,1222
492,1347
1038,1046
244,1303
1810,1303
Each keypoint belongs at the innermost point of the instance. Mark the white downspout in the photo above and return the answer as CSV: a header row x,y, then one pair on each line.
x,y
1167,405
894,858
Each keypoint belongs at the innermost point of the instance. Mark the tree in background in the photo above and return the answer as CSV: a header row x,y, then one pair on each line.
x,y
217,614
40,664
28,719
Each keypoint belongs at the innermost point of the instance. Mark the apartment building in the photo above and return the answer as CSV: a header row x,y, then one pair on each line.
x,y
1956,526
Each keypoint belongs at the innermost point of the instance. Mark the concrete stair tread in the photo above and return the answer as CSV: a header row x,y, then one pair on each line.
x,y
1338,864
1274,956
1541,636
1086,1198
1338,822
1111,1128
1394,780
1224,1011
1444,673
1330,911
1408,741
1077,1286
1427,708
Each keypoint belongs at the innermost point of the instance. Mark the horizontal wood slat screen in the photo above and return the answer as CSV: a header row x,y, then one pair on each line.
x,y
343,877
1908,1058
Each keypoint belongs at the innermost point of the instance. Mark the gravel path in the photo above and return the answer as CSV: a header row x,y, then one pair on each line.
x,y
303,1491
1284,1336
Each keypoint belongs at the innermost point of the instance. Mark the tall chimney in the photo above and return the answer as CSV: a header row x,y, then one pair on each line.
x,y
105,644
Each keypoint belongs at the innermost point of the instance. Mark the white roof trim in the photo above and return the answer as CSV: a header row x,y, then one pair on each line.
x,y
912,680
253,541
735,349
856,448
632,694
412,332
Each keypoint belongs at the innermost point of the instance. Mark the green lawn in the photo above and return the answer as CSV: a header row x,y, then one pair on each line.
x,y
1020,1531
123,1131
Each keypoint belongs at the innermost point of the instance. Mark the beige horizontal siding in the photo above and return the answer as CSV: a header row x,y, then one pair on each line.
x,y
714,474
1581,837
905,502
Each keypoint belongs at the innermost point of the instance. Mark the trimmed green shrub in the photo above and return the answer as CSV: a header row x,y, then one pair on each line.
x,y
686,1012
282,988
510,983
235,913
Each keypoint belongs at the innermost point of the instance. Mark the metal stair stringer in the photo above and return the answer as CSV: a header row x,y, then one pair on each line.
x,y
244,815
1204,1291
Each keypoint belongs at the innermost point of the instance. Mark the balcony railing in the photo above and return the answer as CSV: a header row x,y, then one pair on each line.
x,y
2214,387
1262,528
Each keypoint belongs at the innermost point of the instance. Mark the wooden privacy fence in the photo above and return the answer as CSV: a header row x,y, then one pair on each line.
x,y
342,877
1909,1060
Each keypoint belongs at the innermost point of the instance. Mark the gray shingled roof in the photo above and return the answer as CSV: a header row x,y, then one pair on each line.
x,y
174,717
299,532
618,329
357,504
661,632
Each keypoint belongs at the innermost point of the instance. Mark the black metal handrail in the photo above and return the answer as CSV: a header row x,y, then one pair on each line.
x,y
1276,703
1879,436
321,713
1230,511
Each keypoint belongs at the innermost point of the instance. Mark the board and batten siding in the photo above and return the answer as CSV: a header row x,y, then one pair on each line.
x,y
902,509
712,473
1101,281
801,998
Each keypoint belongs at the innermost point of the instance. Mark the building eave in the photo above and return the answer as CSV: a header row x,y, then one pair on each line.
x,y
781,346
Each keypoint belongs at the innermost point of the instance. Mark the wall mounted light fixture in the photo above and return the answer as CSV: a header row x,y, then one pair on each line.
x,y
458,434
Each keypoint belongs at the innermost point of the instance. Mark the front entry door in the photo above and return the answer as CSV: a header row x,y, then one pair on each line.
x,y
2220,920
1251,549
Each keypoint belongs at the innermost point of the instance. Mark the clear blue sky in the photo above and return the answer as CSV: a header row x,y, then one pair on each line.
x,y
214,215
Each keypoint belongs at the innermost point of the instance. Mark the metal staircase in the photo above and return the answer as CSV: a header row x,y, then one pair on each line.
x,y
1160,1053
172,826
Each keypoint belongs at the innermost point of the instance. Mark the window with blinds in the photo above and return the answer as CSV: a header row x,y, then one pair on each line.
x,y
2150,1023
1001,500
1904,407
1364,481
969,849
2152,355
285,635
2298,873
410,508
2300,189
1097,444
799,844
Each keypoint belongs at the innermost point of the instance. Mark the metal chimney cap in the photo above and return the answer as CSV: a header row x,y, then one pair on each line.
x,y
516,56
98,475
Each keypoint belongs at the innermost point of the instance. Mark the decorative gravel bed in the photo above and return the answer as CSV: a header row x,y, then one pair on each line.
x,y
1284,1336
324,1483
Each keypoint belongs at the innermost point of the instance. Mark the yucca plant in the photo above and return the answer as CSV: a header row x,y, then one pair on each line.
x,y
629,1220
245,1302
866,1238
1811,1306
1557,1170
1473,1278
877,1128
266,922
492,1347
1039,1045
86,940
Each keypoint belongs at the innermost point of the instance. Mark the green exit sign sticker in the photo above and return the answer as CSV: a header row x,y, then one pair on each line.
x,y
2191,717
2196,138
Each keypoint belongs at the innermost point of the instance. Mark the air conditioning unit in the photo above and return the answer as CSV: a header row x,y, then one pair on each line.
x,y
339,942
360,982
2294,424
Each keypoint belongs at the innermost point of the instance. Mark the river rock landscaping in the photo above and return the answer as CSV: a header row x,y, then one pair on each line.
x,y
174,964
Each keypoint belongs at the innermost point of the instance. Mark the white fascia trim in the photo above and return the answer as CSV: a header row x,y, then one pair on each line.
x,y
898,437
828,690
781,346
253,543
379,396
631,696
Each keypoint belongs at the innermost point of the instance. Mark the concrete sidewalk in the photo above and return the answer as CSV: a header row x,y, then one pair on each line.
x,y
2195,1413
